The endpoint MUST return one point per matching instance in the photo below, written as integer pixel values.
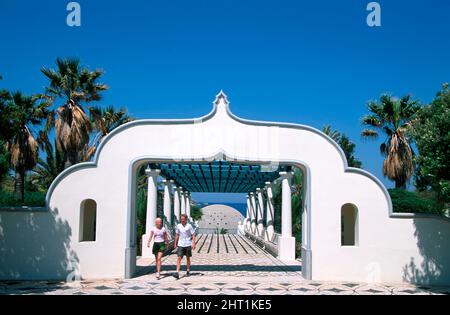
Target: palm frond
(376, 109)
(333, 134)
(384, 149)
(369, 133)
(371, 120)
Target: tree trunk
(400, 185)
(67, 164)
(19, 185)
(72, 159)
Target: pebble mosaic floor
(222, 264)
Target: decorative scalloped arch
(109, 179)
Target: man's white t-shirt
(185, 234)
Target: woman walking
(161, 243)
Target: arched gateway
(349, 229)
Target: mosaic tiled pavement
(222, 264)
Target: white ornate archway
(388, 244)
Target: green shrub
(141, 205)
(196, 213)
(413, 202)
(32, 199)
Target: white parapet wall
(37, 244)
(34, 245)
(413, 250)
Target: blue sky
(308, 62)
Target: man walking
(184, 244)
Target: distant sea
(241, 207)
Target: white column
(270, 213)
(167, 202)
(183, 201)
(253, 213)
(248, 214)
(176, 204)
(172, 201)
(286, 243)
(260, 217)
(188, 205)
(151, 209)
(151, 198)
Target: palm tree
(75, 85)
(346, 145)
(47, 170)
(5, 115)
(349, 150)
(25, 111)
(5, 132)
(333, 134)
(4, 97)
(104, 120)
(394, 118)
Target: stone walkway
(222, 264)
(224, 256)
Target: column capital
(152, 172)
(287, 175)
(171, 181)
(251, 194)
(258, 190)
(269, 189)
(166, 182)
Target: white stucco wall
(386, 245)
(33, 245)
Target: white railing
(269, 246)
